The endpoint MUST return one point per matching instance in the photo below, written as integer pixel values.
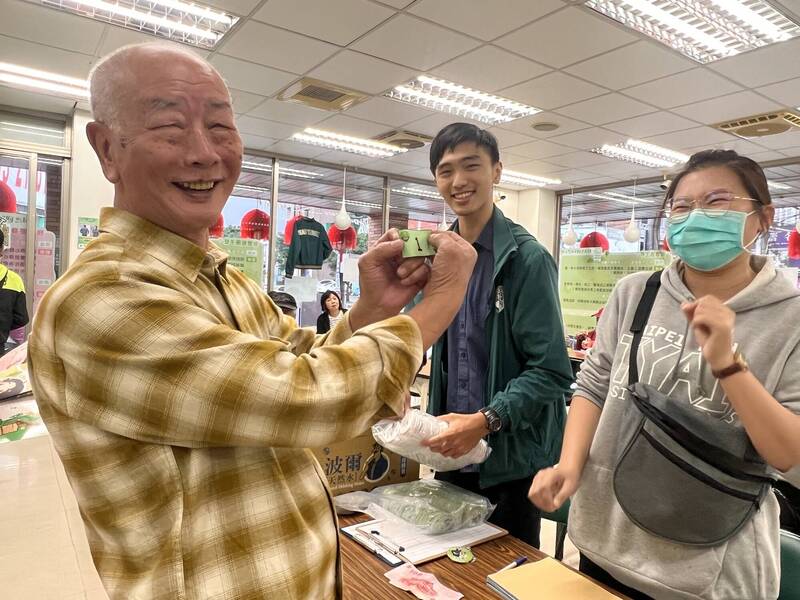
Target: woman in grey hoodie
(739, 385)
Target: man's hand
(452, 266)
(712, 323)
(552, 487)
(388, 282)
(462, 434)
(445, 291)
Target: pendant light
(343, 220)
(570, 237)
(443, 226)
(632, 232)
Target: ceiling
(601, 82)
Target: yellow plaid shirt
(182, 403)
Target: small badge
(461, 554)
(500, 299)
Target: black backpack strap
(640, 321)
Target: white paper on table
(304, 289)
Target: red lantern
(665, 245)
(343, 239)
(8, 199)
(794, 244)
(255, 225)
(287, 232)
(218, 229)
(595, 240)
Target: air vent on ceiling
(322, 95)
(761, 125)
(405, 139)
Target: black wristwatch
(493, 421)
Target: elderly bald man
(179, 397)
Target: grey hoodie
(767, 332)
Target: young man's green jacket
(529, 370)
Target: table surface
(363, 571)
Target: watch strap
(738, 366)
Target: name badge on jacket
(499, 299)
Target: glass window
(417, 206)
(309, 200)
(246, 223)
(22, 128)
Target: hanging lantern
(595, 240)
(289, 229)
(343, 239)
(794, 243)
(570, 237)
(343, 220)
(665, 245)
(255, 225)
(218, 229)
(632, 233)
(8, 199)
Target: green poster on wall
(588, 276)
(245, 255)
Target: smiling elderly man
(179, 398)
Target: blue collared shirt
(467, 346)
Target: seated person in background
(285, 302)
(332, 311)
(182, 402)
(13, 310)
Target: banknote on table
(423, 585)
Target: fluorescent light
(643, 153)
(621, 198)
(658, 151)
(524, 179)
(456, 99)
(33, 79)
(264, 168)
(346, 143)
(704, 31)
(778, 186)
(252, 188)
(415, 192)
(171, 19)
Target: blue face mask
(708, 243)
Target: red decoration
(218, 229)
(255, 225)
(665, 245)
(794, 244)
(287, 232)
(343, 239)
(595, 240)
(8, 199)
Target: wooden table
(363, 571)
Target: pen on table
(514, 564)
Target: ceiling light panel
(184, 22)
(407, 191)
(517, 178)
(265, 168)
(447, 97)
(642, 153)
(346, 143)
(42, 81)
(703, 30)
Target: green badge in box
(416, 243)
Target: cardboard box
(361, 464)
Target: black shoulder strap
(640, 321)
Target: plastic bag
(405, 437)
(430, 505)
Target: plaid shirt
(182, 403)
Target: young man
(501, 370)
(13, 310)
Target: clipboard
(395, 543)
